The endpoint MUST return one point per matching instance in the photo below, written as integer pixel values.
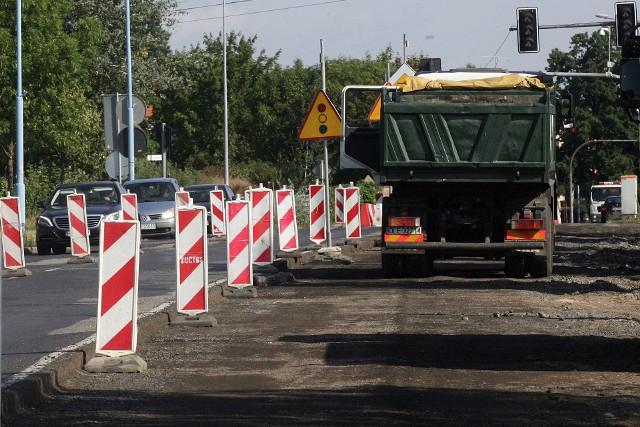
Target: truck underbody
(491, 220)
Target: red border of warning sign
(313, 108)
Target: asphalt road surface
(55, 308)
(339, 344)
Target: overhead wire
(262, 11)
(497, 50)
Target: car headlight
(44, 221)
(168, 214)
(112, 216)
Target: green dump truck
(469, 157)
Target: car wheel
(59, 250)
(43, 249)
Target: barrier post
(78, 229)
(239, 249)
(12, 241)
(192, 299)
(287, 224)
(182, 198)
(261, 200)
(339, 205)
(216, 198)
(117, 328)
(317, 226)
(129, 203)
(352, 212)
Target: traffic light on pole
(625, 21)
(528, 31)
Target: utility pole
(327, 213)
(20, 189)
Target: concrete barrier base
(81, 260)
(202, 320)
(130, 363)
(246, 292)
(15, 272)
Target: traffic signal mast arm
(608, 74)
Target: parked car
(156, 205)
(200, 195)
(611, 208)
(102, 200)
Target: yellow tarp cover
(511, 81)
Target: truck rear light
(404, 221)
(527, 214)
(527, 224)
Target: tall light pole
(130, 126)
(327, 214)
(226, 106)
(19, 117)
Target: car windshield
(199, 196)
(598, 194)
(99, 194)
(153, 191)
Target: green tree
(598, 114)
(60, 124)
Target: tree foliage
(598, 115)
(74, 53)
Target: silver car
(156, 205)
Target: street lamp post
(571, 168)
(20, 188)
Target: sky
(460, 32)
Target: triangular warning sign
(322, 120)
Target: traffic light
(528, 32)
(116, 131)
(166, 136)
(625, 21)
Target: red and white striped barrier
(216, 198)
(78, 228)
(118, 288)
(339, 205)
(129, 203)
(12, 243)
(192, 260)
(239, 256)
(366, 214)
(287, 224)
(317, 228)
(352, 210)
(262, 225)
(182, 198)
